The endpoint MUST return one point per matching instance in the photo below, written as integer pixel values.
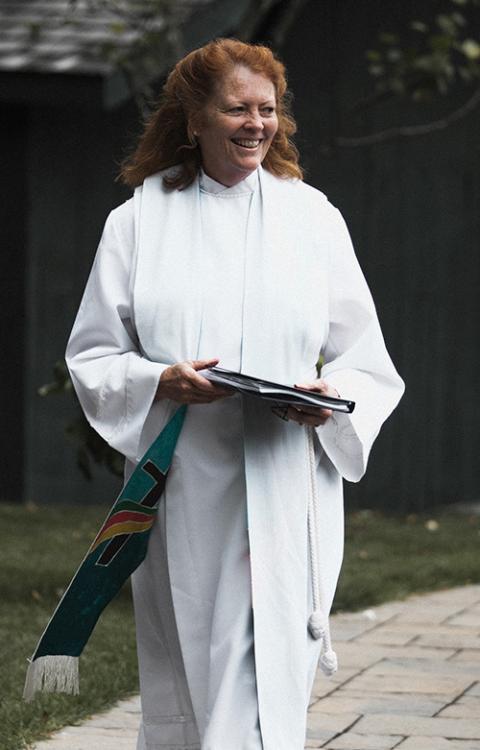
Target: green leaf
(471, 49)
(388, 38)
(376, 70)
(447, 24)
(419, 26)
(394, 54)
(118, 27)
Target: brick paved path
(409, 678)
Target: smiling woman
(224, 254)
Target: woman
(225, 255)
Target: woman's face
(238, 126)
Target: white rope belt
(318, 624)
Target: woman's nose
(254, 121)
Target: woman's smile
(244, 143)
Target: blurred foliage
(432, 56)
(90, 447)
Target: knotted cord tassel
(328, 662)
(316, 625)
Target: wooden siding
(13, 207)
(412, 207)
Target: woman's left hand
(311, 415)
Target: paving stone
(443, 637)
(467, 595)
(437, 743)
(426, 666)
(93, 733)
(351, 741)
(474, 690)
(326, 726)
(475, 611)
(347, 630)
(371, 703)
(116, 718)
(389, 609)
(361, 655)
(322, 687)
(420, 726)
(390, 635)
(411, 682)
(377, 615)
(468, 707)
(466, 619)
(132, 704)
(434, 614)
(61, 742)
(466, 654)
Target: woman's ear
(192, 133)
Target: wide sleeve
(115, 384)
(356, 361)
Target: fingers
(310, 418)
(201, 364)
(182, 383)
(201, 384)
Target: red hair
(167, 139)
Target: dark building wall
(412, 207)
(72, 162)
(13, 209)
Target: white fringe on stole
(52, 674)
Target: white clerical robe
(263, 276)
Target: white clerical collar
(246, 186)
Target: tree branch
(410, 131)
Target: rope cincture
(318, 623)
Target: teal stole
(117, 550)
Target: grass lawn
(385, 558)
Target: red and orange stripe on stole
(123, 522)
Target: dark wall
(13, 209)
(412, 207)
(72, 162)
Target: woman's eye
(237, 109)
(268, 110)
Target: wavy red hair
(167, 139)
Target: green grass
(389, 558)
(40, 550)
(385, 558)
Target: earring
(192, 137)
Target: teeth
(246, 142)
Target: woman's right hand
(182, 383)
